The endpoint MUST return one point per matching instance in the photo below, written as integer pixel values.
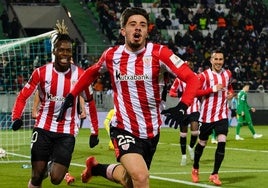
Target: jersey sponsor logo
(54, 98)
(126, 77)
(124, 141)
(176, 60)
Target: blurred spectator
(172, 46)
(165, 13)
(260, 89)
(20, 82)
(182, 14)
(164, 3)
(124, 4)
(219, 11)
(264, 32)
(249, 25)
(211, 4)
(98, 88)
(174, 22)
(137, 3)
(190, 16)
(166, 23)
(221, 22)
(192, 27)
(178, 38)
(107, 21)
(235, 18)
(84, 62)
(15, 28)
(5, 22)
(76, 50)
(159, 22)
(203, 22)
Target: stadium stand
(88, 23)
(245, 51)
(2, 36)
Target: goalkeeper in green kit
(243, 113)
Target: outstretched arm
(88, 77)
(82, 84)
(175, 115)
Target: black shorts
(220, 127)
(124, 142)
(189, 118)
(57, 147)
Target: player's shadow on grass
(95, 185)
(206, 161)
(236, 179)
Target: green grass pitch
(245, 163)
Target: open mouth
(137, 36)
(64, 60)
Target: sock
(238, 128)
(100, 170)
(219, 156)
(251, 128)
(197, 155)
(183, 145)
(193, 140)
(213, 135)
(104, 170)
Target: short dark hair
(130, 12)
(218, 50)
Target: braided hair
(61, 33)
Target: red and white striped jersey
(179, 86)
(135, 79)
(214, 106)
(53, 86)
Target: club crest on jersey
(73, 82)
(125, 146)
(147, 61)
(176, 60)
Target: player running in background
(36, 101)
(243, 112)
(217, 89)
(135, 70)
(192, 117)
(106, 123)
(82, 115)
(233, 106)
(213, 137)
(51, 140)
